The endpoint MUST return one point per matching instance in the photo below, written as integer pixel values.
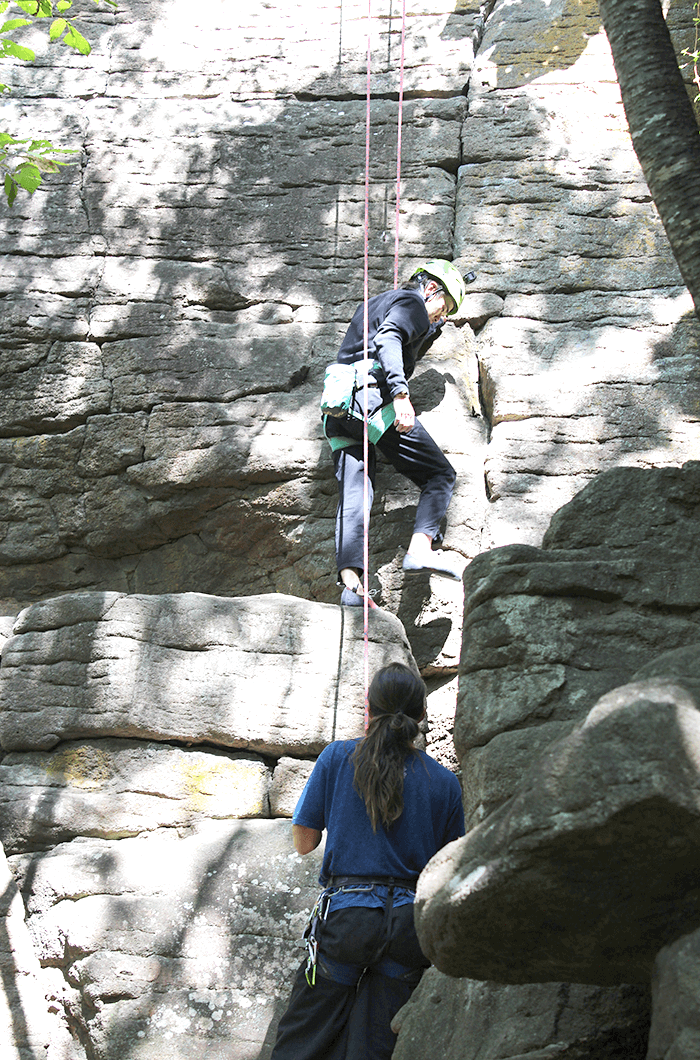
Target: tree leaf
(14, 23)
(27, 175)
(76, 40)
(17, 51)
(10, 189)
(56, 29)
(63, 5)
(30, 7)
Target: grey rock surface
(675, 1025)
(288, 782)
(591, 361)
(548, 631)
(173, 301)
(163, 913)
(592, 866)
(471, 1020)
(611, 598)
(266, 673)
(168, 943)
(22, 1001)
(116, 788)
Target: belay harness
(351, 974)
(340, 387)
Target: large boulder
(548, 631)
(268, 673)
(675, 1027)
(593, 865)
(164, 906)
(610, 598)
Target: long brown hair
(396, 705)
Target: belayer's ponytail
(396, 705)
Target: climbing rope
(365, 366)
(365, 433)
(398, 145)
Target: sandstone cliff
(170, 305)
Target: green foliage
(23, 161)
(23, 165)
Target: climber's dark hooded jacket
(399, 331)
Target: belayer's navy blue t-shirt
(432, 816)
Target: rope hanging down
(365, 434)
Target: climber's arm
(305, 839)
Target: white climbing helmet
(448, 276)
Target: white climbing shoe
(437, 564)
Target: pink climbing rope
(365, 434)
(398, 144)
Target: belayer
(402, 325)
(387, 808)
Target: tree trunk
(662, 124)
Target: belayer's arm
(305, 839)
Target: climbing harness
(341, 385)
(350, 974)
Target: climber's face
(437, 302)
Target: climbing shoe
(348, 598)
(436, 564)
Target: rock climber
(387, 808)
(402, 325)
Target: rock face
(172, 301)
(675, 1029)
(167, 944)
(164, 898)
(563, 796)
(25, 1024)
(589, 363)
(548, 631)
(551, 1021)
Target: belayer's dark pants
(350, 1019)
(415, 455)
